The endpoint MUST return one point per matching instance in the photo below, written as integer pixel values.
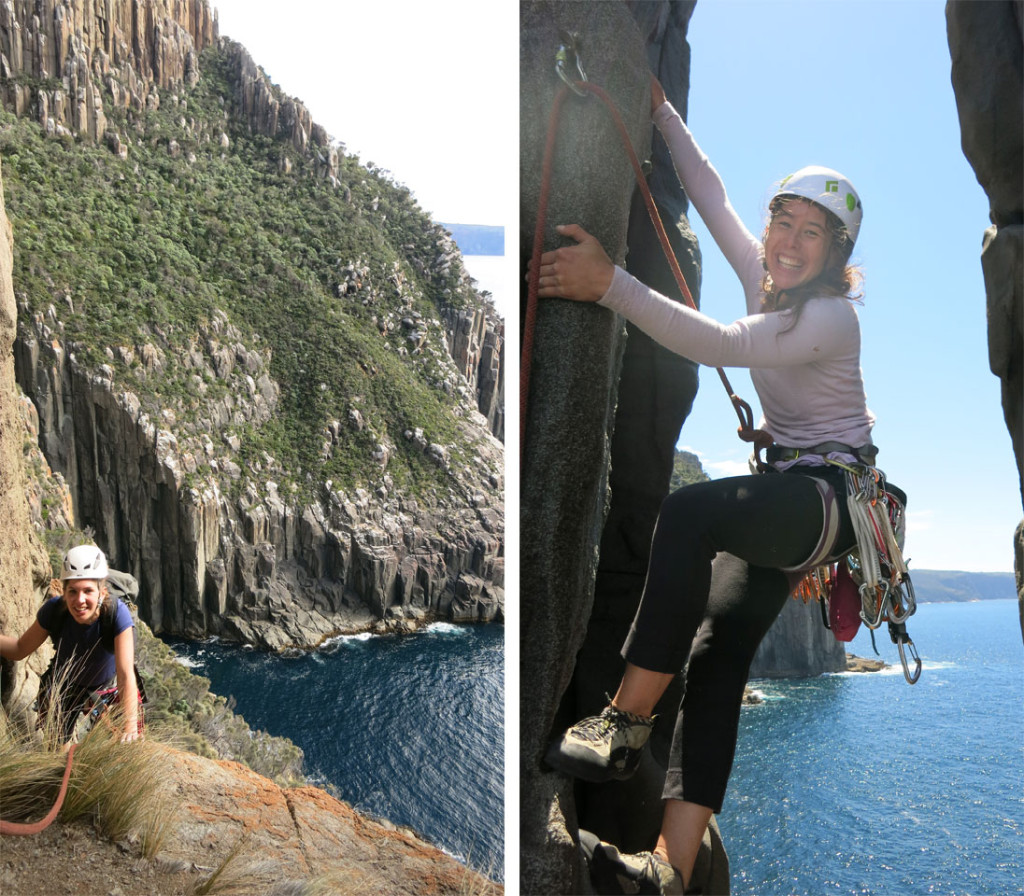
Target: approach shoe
(613, 872)
(602, 748)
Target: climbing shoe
(614, 872)
(602, 748)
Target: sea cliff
(252, 496)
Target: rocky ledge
(285, 840)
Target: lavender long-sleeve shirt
(807, 375)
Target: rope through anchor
(568, 57)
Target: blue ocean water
(862, 784)
(408, 728)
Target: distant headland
(936, 586)
(477, 239)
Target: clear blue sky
(430, 92)
(864, 87)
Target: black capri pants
(715, 583)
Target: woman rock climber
(726, 554)
(94, 647)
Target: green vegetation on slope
(686, 470)
(949, 585)
(149, 249)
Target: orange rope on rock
(25, 830)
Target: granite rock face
(244, 833)
(295, 835)
(573, 374)
(986, 46)
(590, 422)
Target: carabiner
(567, 62)
(898, 633)
(873, 602)
(904, 598)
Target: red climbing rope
(746, 431)
(25, 830)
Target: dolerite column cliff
(135, 47)
(254, 567)
(476, 342)
(986, 45)
(585, 412)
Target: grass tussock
(479, 883)
(236, 874)
(345, 881)
(118, 786)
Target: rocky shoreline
(856, 663)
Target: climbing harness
(24, 830)
(876, 566)
(567, 58)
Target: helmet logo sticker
(831, 186)
(851, 201)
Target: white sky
(423, 89)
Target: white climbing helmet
(84, 562)
(830, 190)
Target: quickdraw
(567, 62)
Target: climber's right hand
(582, 272)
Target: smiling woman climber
(94, 659)
(727, 553)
